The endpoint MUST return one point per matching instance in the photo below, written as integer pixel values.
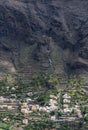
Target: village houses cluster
(29, 106)
(8, 103)
(67, 108)
(53, 105)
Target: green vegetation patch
(4, 126)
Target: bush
(40, 125)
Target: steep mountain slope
(42, 36)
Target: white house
(1, 99)
(24, 111)
(66, 101)
(53, 118)
(53, 96)
(43, 109)
(66, 96)
(67, 110)
(25, 121)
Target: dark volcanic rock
(41, 36)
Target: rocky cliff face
(42, 36)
